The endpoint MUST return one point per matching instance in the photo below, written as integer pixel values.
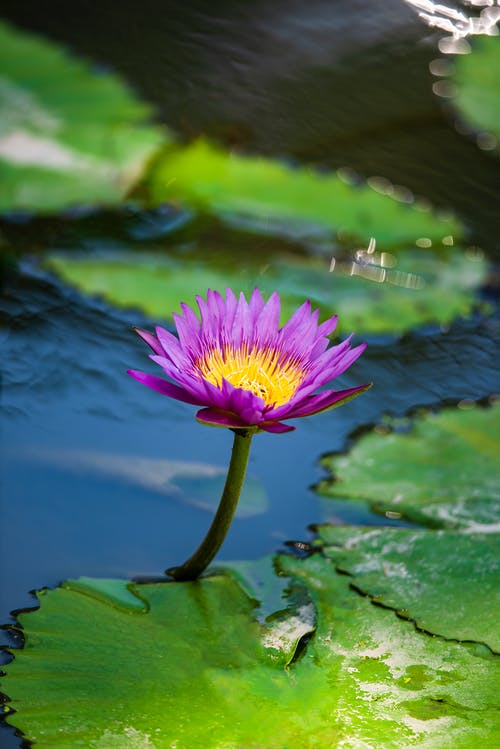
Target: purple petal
(185, 377)
(318, 347)
(207, 327)
(150, 339)
(215, 396)
(314, 404)
(325, 369)
(300, 332)
(164, 387)
(330, 365)
(221, 305)
(248, 406)
(327, 327)
(217, 309)
(213, 306)
(230, 311)
(322, 341)
(188, 327)
(300, 314)
(269, 318)
(300, 318)
(256, 306)
(172, 348)
(276, 427)
(219, 419)
(242, 325)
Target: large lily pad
(110, 664)
(476, 82)
(157, 285)
(277, 198)
(443, 472)
(394, 686)
(68, 135)
(447, 582)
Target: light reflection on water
(459, 20)
(378, 267)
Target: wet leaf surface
(448, 583)
(196, 669)
(442, 470)
(68, 134)
(423, 288)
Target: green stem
(194, 566)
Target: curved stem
(217, 532)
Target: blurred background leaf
(69, 133)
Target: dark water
(324, 81)
(328, 82)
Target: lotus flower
(243, 369)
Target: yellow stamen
(263, 371)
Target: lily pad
(68, 135)
(425, 288)
(274, 198)
(393, 686)
(476, 81)
(447, 582)
(443, 472)
(193, 671)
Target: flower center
(263, 371)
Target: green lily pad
(279, 199)
(394, 686)
(447, 582)
(287, 613)
(67, 134)
(195, 671)
(444, 472)
(476, 81)
(157, 285)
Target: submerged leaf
(157, 284)
(67, 134)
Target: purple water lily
(248, 374)
(243, 369)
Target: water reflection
(378, 267)
(459, 22)
(197, 484)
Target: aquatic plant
(248, 373)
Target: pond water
(88, 456)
